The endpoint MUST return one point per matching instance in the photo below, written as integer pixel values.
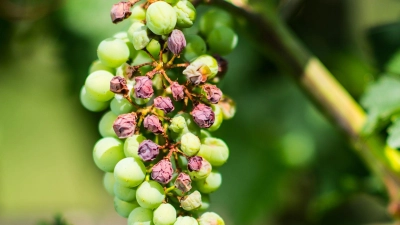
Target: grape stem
(277, 42)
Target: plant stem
(276, 41)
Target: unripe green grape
(209, 61)
(91, 104)
(211, 183)
(141, 216)
(124, 36)
(165, 214)
(121, 106)
(161, 18)
(203, 173)
(204, 134)
(140, 58)
(214, 18)
(106, 125)
(222, 40)
(131, 146)
(188, 126)
(195, 46)
(108, 183)
(171, 2)
(107, 153)
(210, 218)
(113, 52)
(138, 13)
(124, 208)
(219, 118)
(150, 194)
(141, 101)
(124, 193)
(190, 144)
(185, 13)
(178, 124)
(205, 202)
(98, 65)
(129, 172)
(137, 34)
(214, 150)
(97, 85)
(186, 220)
(154, 48)
(192, 201)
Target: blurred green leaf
(382, 100)
(393, 139)
(393, 66)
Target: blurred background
(287, 166)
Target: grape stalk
(158, 82)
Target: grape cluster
(159, 158)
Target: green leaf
(393, 65)
(382, 101)
(393, 140)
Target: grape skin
(165, 214)
(107, 153)
(150, 194)
(106, 125)
(124, 208)
(129, 172)
(90, 103)
(97, 84)
(113, 52)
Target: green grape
(97, 85)
(121, 106)
(204, 134)
(141, 216)
(211, 183)
(195, 46)
(106, 125)
(154, 48)
(138, 13)
(210, 218)
(131, 146)
(137, 34)
(161, 18)
(124, 193)
(113, 52)
(209, 61)
(213, 19)
(124, 36)
(124, 208)
(219, 117)
(150, 194)
(205, 202)
(98, 65)
(186, 220)
(129, 172)
(181, 127)
(108, 182)
(185, 13)
(222, 40)
(91, 104)
(190, 144)
(214, 150)
(203, 173)
(165, 214)
(107, 152)
(140, 58)
(171, 2)
(192, 201)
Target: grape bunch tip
(160, 87)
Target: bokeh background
(287, 166)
